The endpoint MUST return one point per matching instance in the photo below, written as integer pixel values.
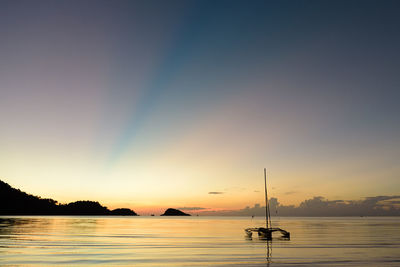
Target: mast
(267, 212)
(266, 197)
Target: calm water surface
(197, 241)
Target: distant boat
(266, 232)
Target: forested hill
(15, 202)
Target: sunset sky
(154, 104)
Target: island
(123, 212)
(15, 202)
(174, 212)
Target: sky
(155, 104)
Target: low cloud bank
(319, 206)
(191, 208)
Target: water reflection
(196, 241)
(11, 227)
(269, 251)
(6, 225)
(268, 246)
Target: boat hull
(267, 232)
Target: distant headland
(15, 202)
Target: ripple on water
(191, 241)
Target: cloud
(394, 201)
(291, 192)
(319, 206)
(256, 191)
(192, 208)
(215, 193)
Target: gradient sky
(151, 104)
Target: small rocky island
(174, 212)
(123, 212)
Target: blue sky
(203, 93)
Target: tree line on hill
(15, 202)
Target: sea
(197, 241)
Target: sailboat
(266, 232)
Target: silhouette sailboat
(268, 230)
